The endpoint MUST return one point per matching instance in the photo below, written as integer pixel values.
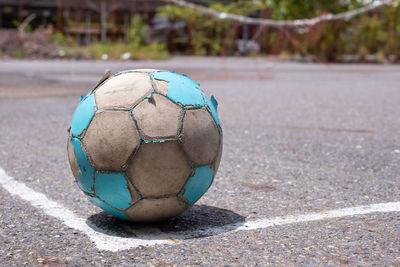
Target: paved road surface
(298, 139)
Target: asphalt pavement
(299, 138)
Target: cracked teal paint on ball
(181, 89)
(198, 184)
(111, 210)
(86, 171)
(212, 105)
(112, 188)
(83, 115)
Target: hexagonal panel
(158, 118)
(114, 190)
(123, 90)
(200, 136)
(219, 155)
(86, 171)
(161, 86)
(72, 159)
(111, 139)
(197, 184)
(155, 209)
(159, 169)
(83, 115)
(181, 89)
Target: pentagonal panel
(200, 136)
(159, 169)
(212, 105)
(161, 86)
(110, 140)
(123, 90)
(158, 117)
(72, 159)
(181, 89)
(82, 116)
(197, 184)
(155, 209)
(111, 210)
(113, 189)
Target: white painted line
(153, 236)
(53, 209)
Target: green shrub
(376, 32)
(136, 46)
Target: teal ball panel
(83, 115)
(107, 208)
(212, 105)
(112, 188)
(197, 184)
(86, 171)
(181, 89)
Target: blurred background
(155, 29)
(303, 132)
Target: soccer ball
(144, 145)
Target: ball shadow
(198, 221)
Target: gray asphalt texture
(298, 138)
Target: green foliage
(96, 50)
(18, 53)
(27, 29)
(207, 35)
(64, 41)
(137, 45)
(375, 33)
(301, 9)
(117, 49)
(138, 31)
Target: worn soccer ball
(145, 145)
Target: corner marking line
(151, 236)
